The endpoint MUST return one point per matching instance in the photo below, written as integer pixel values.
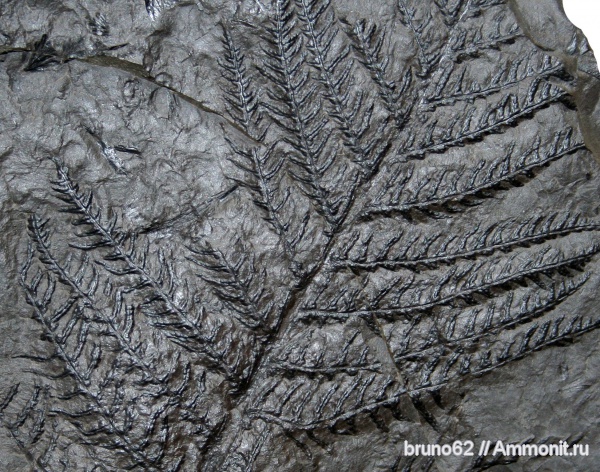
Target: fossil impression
(400, 210)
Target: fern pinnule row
(296, 404)
(447, 331)
(263, 166)
(417, 251)
(121, 258)
(351, 112)
(461, 283)
(234, 283)
(68, 330)
(407, 192)
(368, 42)
(118, 329)
(452, 87)
(423, 34)
(29, 424)
(294, 107)
(312, 355)
(473, 124)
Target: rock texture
(292, 234)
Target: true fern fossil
(372, 259)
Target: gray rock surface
(291, 235)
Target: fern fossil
(376, 269)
